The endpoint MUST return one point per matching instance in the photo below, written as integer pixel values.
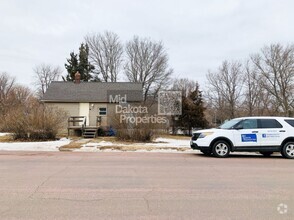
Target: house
(91, 104)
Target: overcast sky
(198, 35)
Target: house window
(102, 111)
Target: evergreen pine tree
(79, 62)
(71, 67)
(85, 67)
(193, 111)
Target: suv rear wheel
(221, 149)
(288, 150)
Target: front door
(246, 134)
(84, 111)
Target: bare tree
(7, 84)
(105, 54)
(257, 100)
(21, 94)
(147, 62)
(185, 85)
(225, 88)
(216, 106)
(253, 90)
(275, 64)
(44, 75)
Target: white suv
(263, 134)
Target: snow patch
(34, 146)
(4, 134)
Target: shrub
(145, 131)
(34, 121)
(101, 132)
(136, 134)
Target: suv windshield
(229, 124)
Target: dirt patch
(73, 145)
(117, 145)
(110, 139)
(115, 141)
(138, 148)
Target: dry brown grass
(129, 145)
(110, 139)
(6, 138)
(114, 140)
(71, 146)
(75, 144)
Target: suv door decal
(249, 137)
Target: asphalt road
(65, 185)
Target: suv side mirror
(239, 127)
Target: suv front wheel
(288, 150)
(221, 149)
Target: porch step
(90, 133)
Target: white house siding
(71, 108)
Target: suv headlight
(204, 134)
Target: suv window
(270, 123)
(248, 124)
(290, 122)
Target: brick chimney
(77, 78)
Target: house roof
(60, 91)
